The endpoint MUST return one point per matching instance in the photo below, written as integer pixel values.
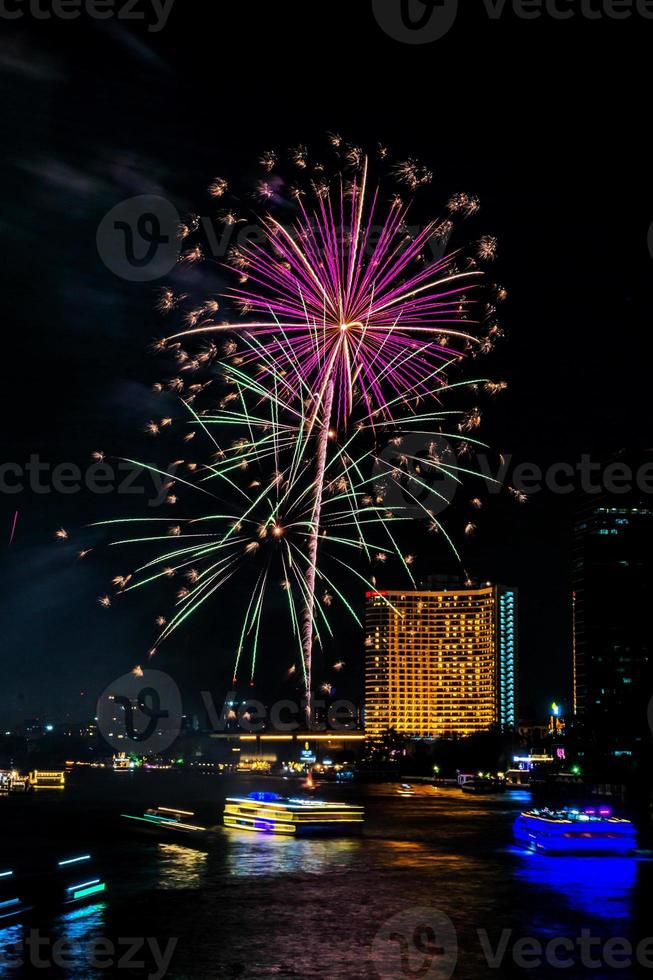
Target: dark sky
(547, 121)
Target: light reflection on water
(11, 938)
(600, 887)
(79, 928)
(420, 856)
(251, 854)
(180, 867)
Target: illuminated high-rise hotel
(441, 662)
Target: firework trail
(265, 533)
(12, 533)
(353, 316)
(263, 537)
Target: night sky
(546, 121)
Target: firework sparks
(354, 324)
(346, 330)
(12, 532)
(363, 316)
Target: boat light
(77, 860)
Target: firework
(351, 318)
(346, 333)
(262, 539)
(218, 187)
(265, 537)
(12, 532)
(487, 248)
(361, 317)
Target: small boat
(568, 831)
(405, 789)
(484, 786)
(11, 905)
(47, 885)
(77, 880)
(11, 781)
(40, 779)
(167, 821)
(269, 813)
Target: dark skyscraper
(613, 623)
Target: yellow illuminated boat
(39, 779)
(268, 813)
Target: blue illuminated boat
(11, 904)
(268, 813)
(567, 831)
(71, 881)
(77, 880)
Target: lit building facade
(613, 637)
(441, 662)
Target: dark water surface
(253, 906)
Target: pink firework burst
(343, 309)
(345, 300)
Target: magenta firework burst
(345, 298)
(349, 311)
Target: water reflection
(259, 854)
(180, 867)
(78, 929)
(420, 856)
(601, 887)
(11, 940)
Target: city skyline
(91, 374)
